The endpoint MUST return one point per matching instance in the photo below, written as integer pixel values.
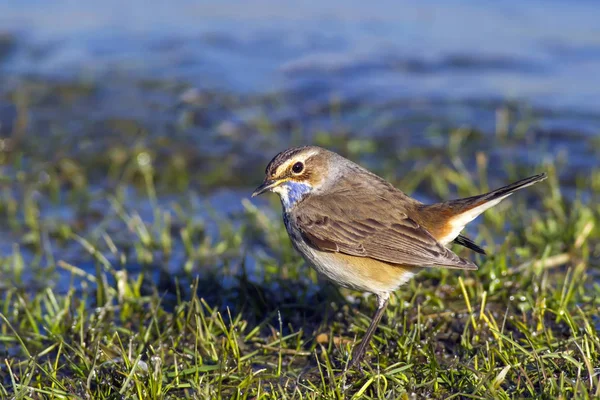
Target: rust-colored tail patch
(446, 220)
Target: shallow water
(542, 52)
(218, 89)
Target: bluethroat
(362, 233)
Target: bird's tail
(458, 213)
(496, 195)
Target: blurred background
(121, 123)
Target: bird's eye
(298, 167)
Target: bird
(362, 233)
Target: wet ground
(98, 100)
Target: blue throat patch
(295, 192)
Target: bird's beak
(268, 184)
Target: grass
(123, 294)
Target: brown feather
(368, 218)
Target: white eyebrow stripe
(300, 157)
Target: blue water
(544, 52)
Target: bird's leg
(359, 352)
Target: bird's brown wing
(366, 225)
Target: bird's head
(294, 173)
